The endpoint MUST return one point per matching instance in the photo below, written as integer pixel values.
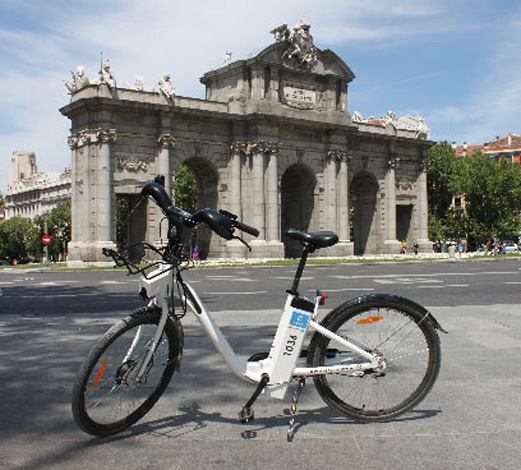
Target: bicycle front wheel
(402, 332)
(107, 395)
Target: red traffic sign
(46, 240)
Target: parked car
(5, 263)
(509, 247)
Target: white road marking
(237, 293)
(395, 276)
(346, 289)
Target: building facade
(506, 148)
(273, 142)
(30, 193)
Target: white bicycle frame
(280, 365)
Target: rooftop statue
(357, 117)
(138, 84)
(107, 76)
(79, 80)
(404, 123)
(166, 87)
(300, 42)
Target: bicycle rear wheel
(106, 397)
(402, 332)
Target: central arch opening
(364, 190)
(297, 204)
(195, 188)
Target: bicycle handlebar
(222, 222)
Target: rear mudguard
(380, 299)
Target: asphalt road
(471, 419)
(256, 288)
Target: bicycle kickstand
(246, 414)
(293, 410)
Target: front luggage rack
(126, 258)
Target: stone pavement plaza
(471, 419)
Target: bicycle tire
(403, 332)
(105, 399)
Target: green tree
(56, 224)
(60, 227)
(185, 197)
(17, 239)
(443, 183)
(185, 189)
(122, 209)
(493, 197)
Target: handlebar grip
(246, 228)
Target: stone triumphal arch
(272, 142)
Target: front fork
(143, 369)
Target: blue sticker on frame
(299, 320)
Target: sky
(453, 62)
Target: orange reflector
(100, 373)
(366, 321)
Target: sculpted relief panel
(133, 163)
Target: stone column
(165, 143)
(338, 200)
(391, 244)
(75, 173)
(275, 248)
(331, 190)
(423, 208)
(234, 248)
(235, 179)
(92, 201)
(104, 192)
(342, 204)
(259, 203)
(272, 196)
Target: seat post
(302, 264)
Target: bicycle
(372, 358)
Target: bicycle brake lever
(242, 241)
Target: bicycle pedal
(246, 415)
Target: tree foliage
(491, 195)
(17, 236)
(442, 186)
(20, 238)
(185, 189)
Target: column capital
(393, 162)
(72, 141)
(165, 141)
(91, 136)
(339, 155)
(104, 136)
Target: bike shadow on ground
(192, 420)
